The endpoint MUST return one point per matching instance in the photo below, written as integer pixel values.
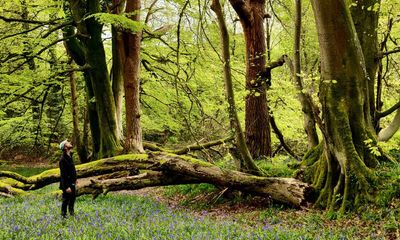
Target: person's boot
(71, 211)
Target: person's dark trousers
(68, 202)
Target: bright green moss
(12, 190)
(133, 157)
(55, 172)
(13, 183)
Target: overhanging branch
(242, 10)
(39, 52)
(187, 149)
(279, 135)
(6, 19)
(387, 53)
(279, 62)
(389, 111)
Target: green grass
(23, 170)
(279, 166)
(134, 217)
(118, 216)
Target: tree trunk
(168, 169)
(117, 67)
(341, 171)
(366, 23)
(388, 132)
(75, 50)
(305, 99)
(365, 14)
(246, 162)
(89, 32)
(258, 133)
(133, 140)
(105, 104)
(82, 151)
(117, 78)
(85, 136)
(93, 117)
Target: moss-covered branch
(7, 191)
(193, 147)
(103, 166)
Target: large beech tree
(340, 167)
(130, 54)
(88, 47)
(258, 133)
(125, 73)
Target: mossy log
(8, 191)
(98, 186)
(162, 169)
(103, 166)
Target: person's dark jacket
(68, 171)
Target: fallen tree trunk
(9, 191)
(162, 169)
(146, 179)
(99, 167)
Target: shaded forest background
(181, 80)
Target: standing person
(68, 179)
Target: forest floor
(251, 215)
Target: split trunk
(340, 167)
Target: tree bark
(75, 50)
(246, 163)
(305, 99)
(388, 132)
(365, 14)
(258, 133)
(117, 71)
(133, 139)
(341, 172)
(89, 32)
(117, 78)
(168, 169)
(82, 151)
(93, 117)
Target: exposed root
(343, 181)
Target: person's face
(68, 145)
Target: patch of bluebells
(122, 217)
